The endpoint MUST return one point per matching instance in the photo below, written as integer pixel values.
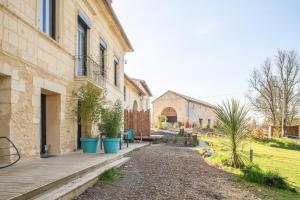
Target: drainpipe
(189, 111)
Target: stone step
(79, 185)
(67, 179)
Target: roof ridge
(192, 99)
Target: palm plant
(234, 123)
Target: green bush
(111, 120)
(193, 143)
(110, 175)
(180, 124)
(181, 131)
(160, 120)
(91, 101)
(269, 178)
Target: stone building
(48, 49)
(136, 94)
(180, 108)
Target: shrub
(181, 131)
(180, 124)
(111, 120)
(91, 101)
(110, 175)
(277, 132)
(194, 125)
(160, 120)
(175, 125)
(193, 142)
(258, 133)
(269, 178)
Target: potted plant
(111, 123)
(90, 105)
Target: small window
(124, 93)
(47, 12)
(116, 63)
(102, 60)
(200, 122)
(208, 123)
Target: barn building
(181, 108)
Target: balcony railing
(87, 67)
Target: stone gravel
(164, 171)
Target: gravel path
(168, 172)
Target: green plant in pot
(111, 123)
(90, 105)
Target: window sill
(53, 41)
(48, 37)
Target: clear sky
(205, 49)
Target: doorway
(43, 141)
(170, 114)
(50, 123)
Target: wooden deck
(28, 179)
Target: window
(116, 63)
(124, 93)
(200, 122)
(47, 17)
(208, 123)
(102, 60)
(81, 48)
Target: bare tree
(263, 91)
(288, 72)
(275, 93)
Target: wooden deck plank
(28, 176)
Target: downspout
(188, 111)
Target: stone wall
(32, 63)
(199, 111)
(169, 99)
(132, 94)
(185, 110)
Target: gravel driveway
(168, 172)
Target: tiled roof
(189, 99)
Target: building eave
(189, 99)
(117, 22)
(145, 86)
(141, 92)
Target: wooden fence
(139, 121)
(289, 130)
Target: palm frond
(234, 123)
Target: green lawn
(281, 155)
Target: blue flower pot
(111, 145)
(89, 145)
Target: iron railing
(9, 153)
(86, 66)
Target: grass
(110, 175)
(253, 173)
(279, 155)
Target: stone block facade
(136, 95)
(182, 108)
(33, 64)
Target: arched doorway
(135, 106)
(171, 114)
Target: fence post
(251, 154)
